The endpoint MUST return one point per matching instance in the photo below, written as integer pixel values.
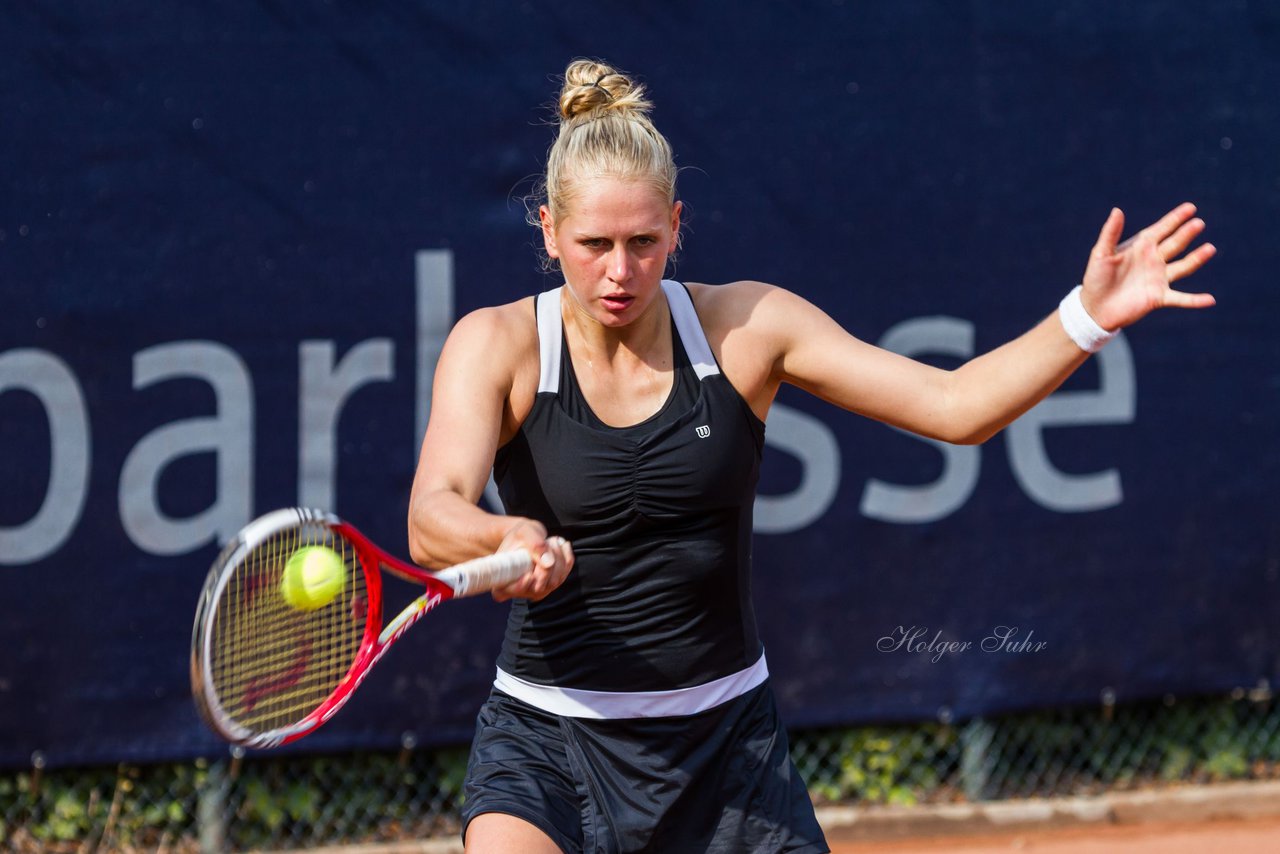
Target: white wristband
(1082, 328)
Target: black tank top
(659, 514)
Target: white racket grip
(485, 573)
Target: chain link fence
(244, 803)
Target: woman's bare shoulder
(513, 318)
(498, 330)
(736, 305)
(497, 340)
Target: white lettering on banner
(1115, 402)
(322, 393)
(889, 502)
(813, 443)
(229, 435)
(324, 387)
(54, 385)
(433, 269)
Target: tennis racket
(264, 673)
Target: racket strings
(272, 664)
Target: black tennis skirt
(718, 781)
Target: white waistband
(605, 705)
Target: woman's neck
(645, 339)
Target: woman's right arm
(480, 370)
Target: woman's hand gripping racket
(274, 657)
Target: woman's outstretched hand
(1126, 281)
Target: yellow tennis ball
(313, 577)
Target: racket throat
(406, 618)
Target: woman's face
(612, 243)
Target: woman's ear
(548, 231)
(676, 209)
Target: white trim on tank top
(549, 341)
(614, 705)
(691, 334)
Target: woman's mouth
(617, 302)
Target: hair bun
(592, 87)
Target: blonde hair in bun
(604, 131)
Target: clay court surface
(1237, 836)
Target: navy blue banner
(233, 237)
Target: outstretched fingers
(1181, 299)
(1165, 227)
(1177, 243)
(1126, 280)
(1194, 260)
(1171, 222)
(1109, 237)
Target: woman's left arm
(1123, 282)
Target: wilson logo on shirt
(703, 432)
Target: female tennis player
(623, 419)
